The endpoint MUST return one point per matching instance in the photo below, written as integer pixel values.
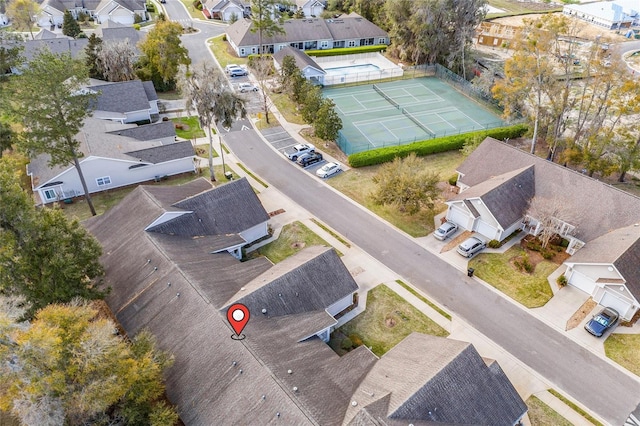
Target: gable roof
(494, 158)
(57, 45)
(130, 5)
(301, 58)
(159, 130)
(228, 209)
(433, 379)
(160, 154)
(110, 31)
(123, 97)
(507, 196)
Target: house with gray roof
(131, 101)
(226, 10)
(310, 8)
(173, 281)
(113, 155)
(497, 183)
(121, 11)
(309, 68)
(307, 34)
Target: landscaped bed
(502, 271)
(387, 320)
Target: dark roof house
(310, 69)
(127, 101)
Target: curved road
(602, 387)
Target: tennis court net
(384, 95)
(418, 123)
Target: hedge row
(431, 146)
(346, 50)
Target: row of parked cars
(305, 155)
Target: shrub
(346, 344)
(523, 264)
(548, 254)
(82, 35)
(431, 146)
(346, 50)
(179, 126)
(151, 7)
(534, 245)
(453, 180)
(224, 37)
(254, 57)
(136, 27)
(356, 340)
(137, 19)
(494, 244)
(564, 243)
(561, 280)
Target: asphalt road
(572, 369)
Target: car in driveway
(247, 87)
(308, 159)
(602, 321)
(296, 151)
(237, 72)
(471, 246)
(328, 170)
(445, 230)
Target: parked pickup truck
(297, 150)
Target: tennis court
(405, 111)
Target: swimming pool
(352, 69)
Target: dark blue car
(601, 322)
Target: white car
(446, 230)
(230, 67)
(247, 87)
(297, 150)
(328, 170)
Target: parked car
(602, 321)
(237, 72)
(328, 170)
(231, 66)
(247, 87)
(297, 150)
(446, 230)
(308, 159)
(471, 246)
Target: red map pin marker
(238, 317)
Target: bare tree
(116, 60)
(554, 217)
(263, 71)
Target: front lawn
(625, 350)
(224, 53)
(497, 269)
(540, 414)
(358, 185)
(293, 238)
(287, 108)
(387, 320)
(202, 150)
(188, 127)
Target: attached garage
(582, 282)
(459, 216)
(617, 302)
(487, 230)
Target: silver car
(446, 230)
(471, 246)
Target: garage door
(612, 300)
(458, 216)
(485, 229)
(581, 281)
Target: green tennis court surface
(405, 111)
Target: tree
(233, 18)
(49, 100)
(11, 48)
(311, 102)
(69, 367)
(44, 257)
(406, 184)
(553, 215)
(206, 89)
(327, 122)
(298, 14)
(91, 52)
(70, 26)
(116, 61)
(267, 17)
(21, 13)
(263, 70)
(7, 137)
(163, 53)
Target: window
(50, 194)
(242, 52)
(351, 43)
(324, 44)
(253, 50)
(382, 41)
(102, 181)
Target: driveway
(567, 365)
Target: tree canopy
(70, 26)
(68, 366)
(21, 13)
(267, 17)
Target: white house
(497, 183)
(121, 11)
(115, 155)
(309, 68)
(310, 8)
(608, 14)
(225, 10)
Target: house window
(324, 44)
(242, 52)
(382, 41)
(253, 50)
(50, 194)
(351, 43)
(102, 181)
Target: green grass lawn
(625, 350)
(532, 290)
(293, 238)
(224, 53)
(541, 414)
(191, 128)
(195, 13)
(287, 108)
(202, 150)
(387, 320)
(358, 185)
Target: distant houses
(125, 12)
(611, 15)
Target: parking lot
(281, 140)
(254, 99)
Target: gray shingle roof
(55, 45)
(302, 59)
(604, 207)
(122, 97)
(160, 154)
(228, 209)
(345, 28)
(433, 379)
(160, 130)
(507, 196)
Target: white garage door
(485, 229)
(458, 216)
(614, 301)
(583, 282)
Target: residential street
(598, 384)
